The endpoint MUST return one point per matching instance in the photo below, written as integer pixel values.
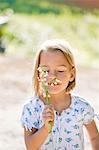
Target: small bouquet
(43, 81)
(42, 78)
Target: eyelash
(56, 71)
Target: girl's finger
(48, 114)
(49, 106)
(47, 119)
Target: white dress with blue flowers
(67, 132)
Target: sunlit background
(24, 25)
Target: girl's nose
(52, 75)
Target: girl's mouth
(55, 82)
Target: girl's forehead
(55, 54)
(53, 57)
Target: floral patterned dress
(67, 132)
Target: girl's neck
(60, 101)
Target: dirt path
(16, 87)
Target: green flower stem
(48, 102)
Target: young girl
(66, 113)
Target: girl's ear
(72, 74)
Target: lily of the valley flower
(43, 75)
(56, 82)
(43, 81)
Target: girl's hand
(48, 116)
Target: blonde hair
(54, 45)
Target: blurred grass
(31, 6)
(35, 21)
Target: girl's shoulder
(33, 103)
(30, 113)
(83, 110)
(79, 101)
(82, 105)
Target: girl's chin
(54, 91)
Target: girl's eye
(60, 71)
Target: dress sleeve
(29, 118)
(88, 113)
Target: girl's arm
(93, 134)
(36, 138)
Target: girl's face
(57, 67)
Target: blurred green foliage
(40, 7)
(34, 21)
(31, 6)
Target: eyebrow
(62, 66)
(57, 66)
